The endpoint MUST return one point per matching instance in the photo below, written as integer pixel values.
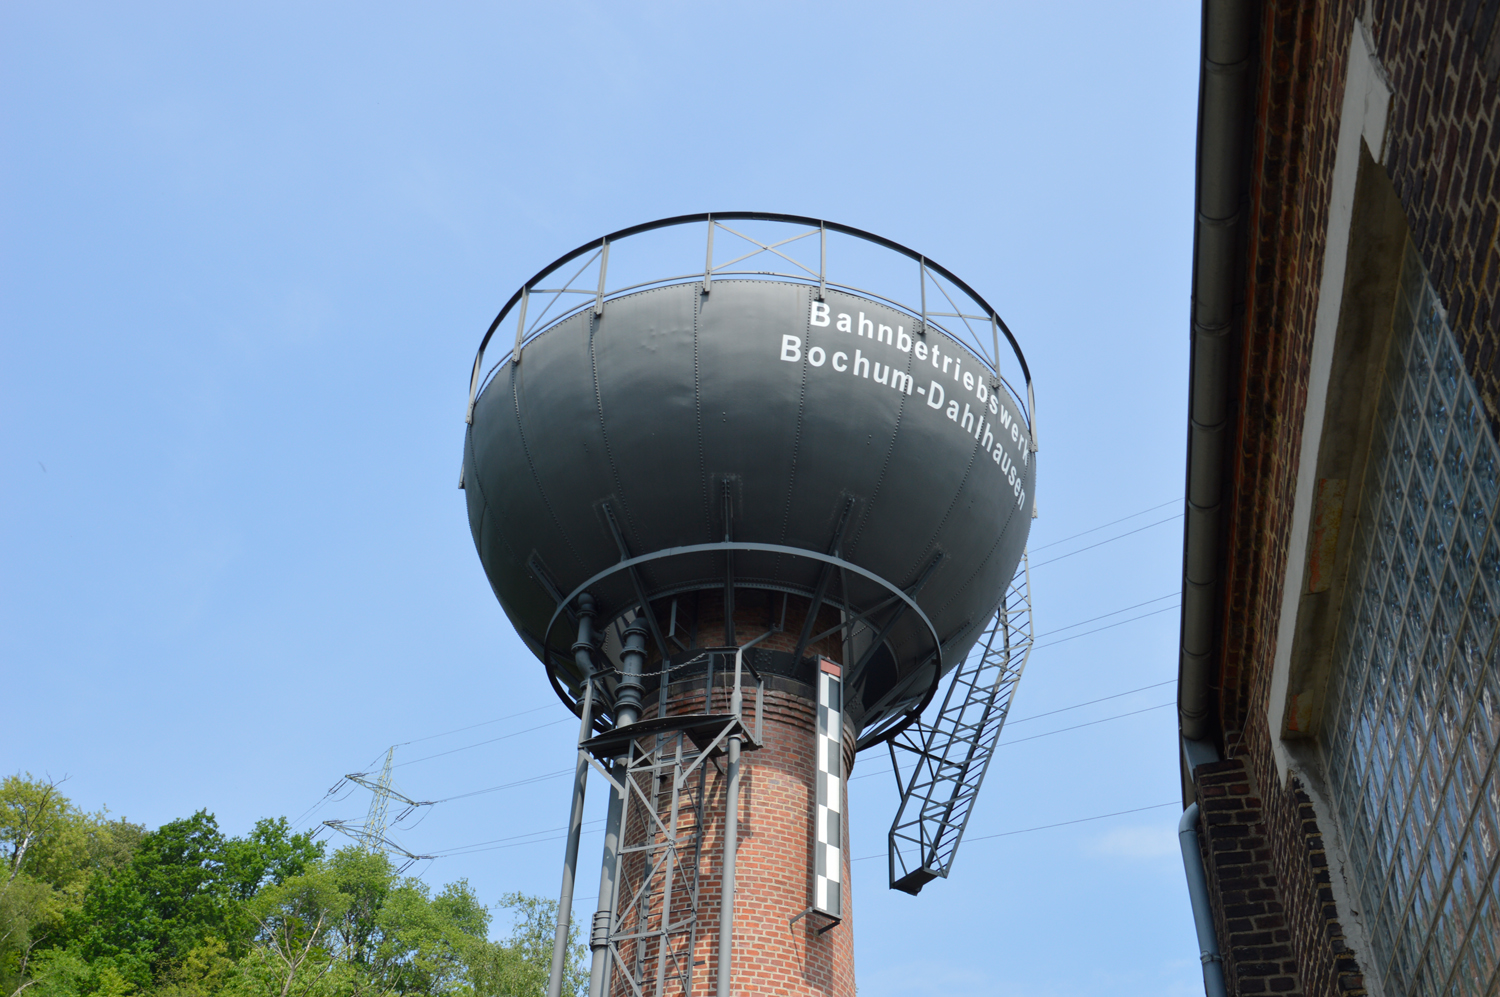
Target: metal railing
(942, 300)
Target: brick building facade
(1340, 691)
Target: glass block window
(1413, 712)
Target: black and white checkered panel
(828, 831)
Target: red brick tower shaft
(777, 947)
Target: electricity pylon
(372, 833)
(379, 801)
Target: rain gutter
(1223, 119)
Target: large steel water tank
(834, 431)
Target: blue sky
(247, 256)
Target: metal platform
(707, 731)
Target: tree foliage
(91, 906)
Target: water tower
(755, 489)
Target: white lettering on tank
(988, 433)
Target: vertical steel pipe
(604, 912)
(583, 650)
(732, 826)
(726, 887)
(632, 663)
(627, 711)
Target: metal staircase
(948, 758)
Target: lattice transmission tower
(371, 834)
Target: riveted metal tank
(775, 437)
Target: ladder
(947, 759)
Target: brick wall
(1251, 921)
(1442, 152)
(755, 612)
(774, 860)
(1263, 848)
(1279, 927)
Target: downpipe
(1203, 913)
(731, 827)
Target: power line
(1091, 702)
(512, 842)
(485, 723)
(508, 785)
(1063, 730)
(1112, 522)
(561, 772)
(1110, 626)
(501, 842)
(1101, 543)
(515, 842)
(326, 797)
(1045, 827)
(550, 775)
(480, 744)
(1064, 709)
(1117, 612)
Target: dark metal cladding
(649, 414)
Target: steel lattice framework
(648, 929)
(950, 756)
(372, 834)
(655, 929)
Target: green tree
(366, 878)
(269, 854)
(296, 919)
(52, 852)
(186, 885)
(171, 898)
(205, 971)
(91, 906)
(520, 966)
